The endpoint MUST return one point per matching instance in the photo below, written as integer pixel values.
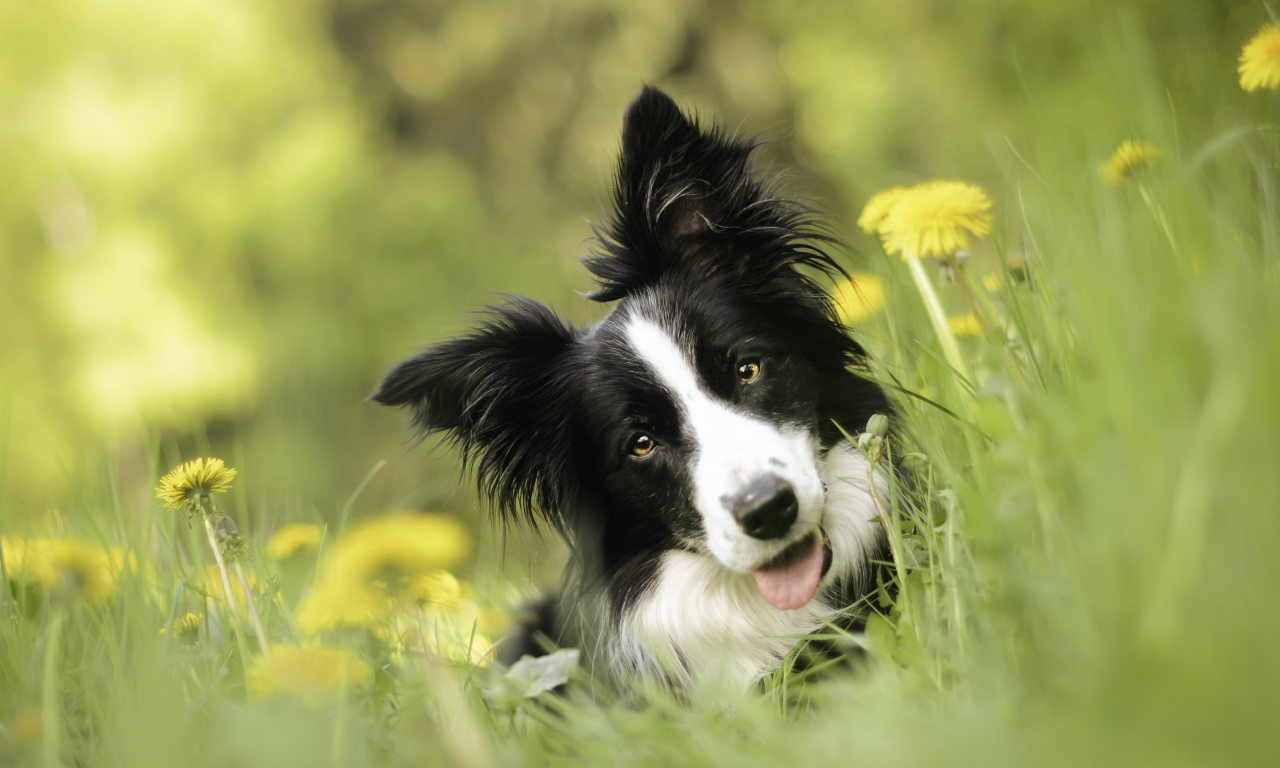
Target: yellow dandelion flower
(964, 325)
(81, 568)
(991, 281)
(936, 219)
(395, 549)
(186, 629)
(1128, 159)
(314, 675)
(492, 621)
(858, 299)
(193, 482)
(333, 605)
(436, 587)
(296, 539)
(472, 649)
(1260, 60)
(878, 207)
(455, 642)
(16, 556)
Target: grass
(1094, 541)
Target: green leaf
(532, 676)
(882, 639)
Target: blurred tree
(235, 215)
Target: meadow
(1091, 414)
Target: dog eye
(643, 445)
(748, 371)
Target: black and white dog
(687, 445)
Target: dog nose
(766, 508)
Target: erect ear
(686, 198)
(501, 392)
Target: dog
(689, 446)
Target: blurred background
(221, 221)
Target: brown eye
(643, 445)
(748, 371)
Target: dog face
(705, 419)
(695, 415)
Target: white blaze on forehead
(730, 449)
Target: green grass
(1094, 542)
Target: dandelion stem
(49, 691)
(233, 613)
(222, 568)
(939, 318)
(253, 612)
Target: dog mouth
(790, 580)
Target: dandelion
(191, 484)
(1260, 60)
(338, 606)
(314, 675)
(1125, 166)
(859, 298)
(15, 556)
(472, 649)
(392, 550)
(436, 587)
(457, 630)
(296, 539)
(936, 219)
(991, 281)
(453, 641)
(1128, 159)
(878, 207)
(964, 325)
(72, 568)
(492, 621)
(186, 629)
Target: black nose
(766, 508)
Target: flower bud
(235, 548)
(871, 441)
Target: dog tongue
(790, 584)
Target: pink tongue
(791, 585)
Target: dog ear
(500, 392)
(686, 199)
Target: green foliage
(222, 221)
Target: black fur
(499, 394)
(544, 413)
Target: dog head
(696, 414)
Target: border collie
(687, 446)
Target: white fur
(732, 448)
(701, 619)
